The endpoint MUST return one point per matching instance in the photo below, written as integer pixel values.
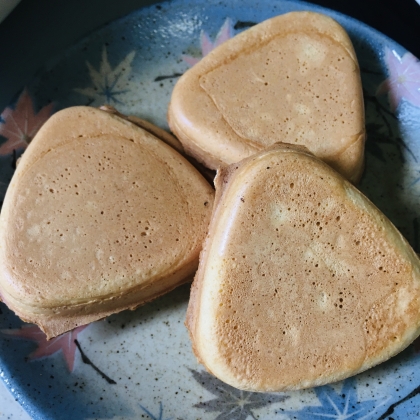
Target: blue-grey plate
(140, 364)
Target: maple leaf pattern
(20, 124)
(403, 81)
(153, 417)
(338, 406)
(108, 83)
(225, 33)
(46, 348)
(231, 403)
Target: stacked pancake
(100, 216)
(301, 281)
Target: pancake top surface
(303, 281)
(293, 78)
(95, 215)
(298, 87)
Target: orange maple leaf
(21, 123)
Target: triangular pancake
(302, 280)
(100, 216)
(293, 78)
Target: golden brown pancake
(100, 216)
(293, 78)
(302, 280)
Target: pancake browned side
(302, 280)
(293, 78)
(100, 216)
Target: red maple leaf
(46, 348)
(22, 123)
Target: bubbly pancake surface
(298, 87)
(61, 210)
(302, 280)
(97, 222)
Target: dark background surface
(38, 29)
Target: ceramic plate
(139, 364)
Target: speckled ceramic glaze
(140, 364)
